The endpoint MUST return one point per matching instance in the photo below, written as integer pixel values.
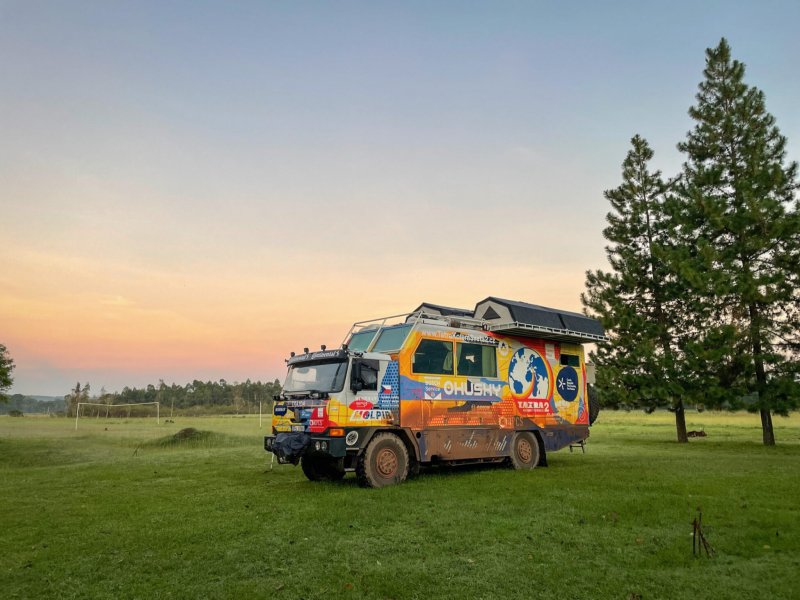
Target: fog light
(317, 446)
(323, 446)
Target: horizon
(192, 191)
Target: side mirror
(356, 385)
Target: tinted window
(571, 360)
(359, 342)
(391, 338)
(434, 357)
(475, 360)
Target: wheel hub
(386, 462)
(524, 450)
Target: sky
(191, 190)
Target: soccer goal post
(107, 406)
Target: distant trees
(76, 395)
(28, 404)
(6, 367)
(208, 396)
(703, 300)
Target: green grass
(119, 509)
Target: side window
(570, 360)
(476, 360)
(434, 357)
(369, 374)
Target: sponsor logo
(328, 354)
(469, 388)
(371, 415)
(433, 392)
(361, 404)
(302, 403)
(567, 383)
(279, 410)
(534, 407)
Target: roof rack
(545, 333)
(496, 315)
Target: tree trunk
(766, 427)
(768, 433)
(680, 422)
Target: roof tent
(530, 320)
(444, 311)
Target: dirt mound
(188, 433)
(190, 437)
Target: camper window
(571, 360)
(434, 357)
(475, 360)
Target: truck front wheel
(525, 452)
(321, 468)
(384, 461)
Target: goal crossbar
(78, 409)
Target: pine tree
(736, 203)
(638, 301)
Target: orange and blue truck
(503, 383)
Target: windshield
(321, 376)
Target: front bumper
(321, 444)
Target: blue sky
(215, 184)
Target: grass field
(116, 510)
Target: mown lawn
(112, 511)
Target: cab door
(362, 395)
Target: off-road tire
(321, 468)
(383, 462)
(525, 451)
(594, 403)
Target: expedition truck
(505, 382)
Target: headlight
(317, 446)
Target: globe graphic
(528, 375)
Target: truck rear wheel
(384, 462)
(525, 452)
(321, 468)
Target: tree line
(197, 396)
(702, 300)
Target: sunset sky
(190, 190)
